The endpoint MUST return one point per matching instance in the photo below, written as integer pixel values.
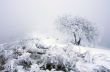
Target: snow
(37, 54)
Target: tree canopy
(80, 30)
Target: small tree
(80, 30)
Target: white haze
(18, 17)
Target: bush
(25, 64)
(2, 62)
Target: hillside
(48, 55)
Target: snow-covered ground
(45, 54)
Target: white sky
(23, 16)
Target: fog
(18, 17)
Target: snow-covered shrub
(25, 63)
(34, 55)
(2, 62)
(16, 53)
(101, 69)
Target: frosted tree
(80, 30)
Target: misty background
(18, 17)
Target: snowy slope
(48, 55)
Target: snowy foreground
(47, 55)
